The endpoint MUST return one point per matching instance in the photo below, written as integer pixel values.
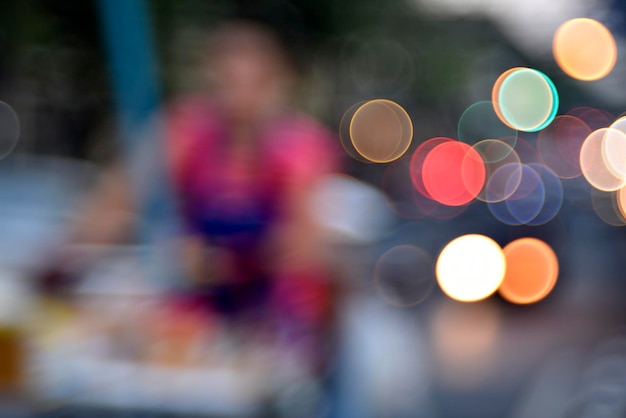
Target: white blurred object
(384, 360)
(120, 273)
(15, 296)
(350, 211)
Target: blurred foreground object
(253, 320)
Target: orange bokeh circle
(532, 269)
(584, 49)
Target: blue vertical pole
(130, 51)
(129, 46)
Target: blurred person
(243, 163)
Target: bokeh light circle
(526, 202)
(621, 201)
(453, 173)
(593, 164)
(614, 150)
(594, 118)
(559, 145)
(527, 100)
(379, 62)
(553, 195)
(470, 268)
(480, 121)
(532, 269)
(9, 129)
(526, 151)
(496, 154)
(495, 92)
(620, 124)
(405, 275)
(344, 132)
(381, 131)
(584, 49)
(417, 162)
(607, 206)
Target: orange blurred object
(584, 49)
(381, 131)
(12, 361)
(532, 269)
